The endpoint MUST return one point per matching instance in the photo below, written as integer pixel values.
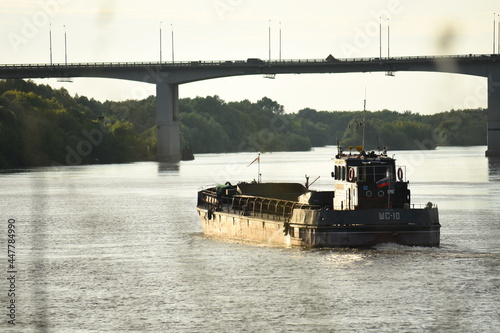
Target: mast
(259, 175)
(363, 133)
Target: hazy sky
(128, 30)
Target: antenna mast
(363, 135)
(259, 176)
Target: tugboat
(370, 205)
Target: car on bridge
(255, 61)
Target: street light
(65, 47)
(172, 26)
(160, 39)
(494, 31)
(388, 39)
(380, 36)
(280, 41)
(50, 42)
(269, 40)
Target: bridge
(169, 75)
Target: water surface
(107, 248)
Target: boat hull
(328, 228)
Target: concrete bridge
(169, 75)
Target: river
(107, 248)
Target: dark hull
(328, 228)
(365, 238)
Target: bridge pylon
(493, 114)
(167, 123)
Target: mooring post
(167, 123)
(493, 114)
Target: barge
(370, 204)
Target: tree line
(42, 126)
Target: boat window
(371, 173)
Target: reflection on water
(168, 167)
(494, 168)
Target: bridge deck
(258, 62)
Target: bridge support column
(493, 114)
(167, 123)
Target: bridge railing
(248, 62)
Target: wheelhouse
(369, 180)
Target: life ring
(351, 174)
(368, 193)
(380, 193)
(400, 174)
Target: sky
(129, 31)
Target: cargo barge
(370, 204)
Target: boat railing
(247, 205)
(422, 206)
(267, 207)
(209, 199)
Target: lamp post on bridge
(380, 36)
(172, 26)
(496, 33)
(388, 40)
(160, 40)
(269, 40)
(280, 41)
(65, 47)
(50, 42)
